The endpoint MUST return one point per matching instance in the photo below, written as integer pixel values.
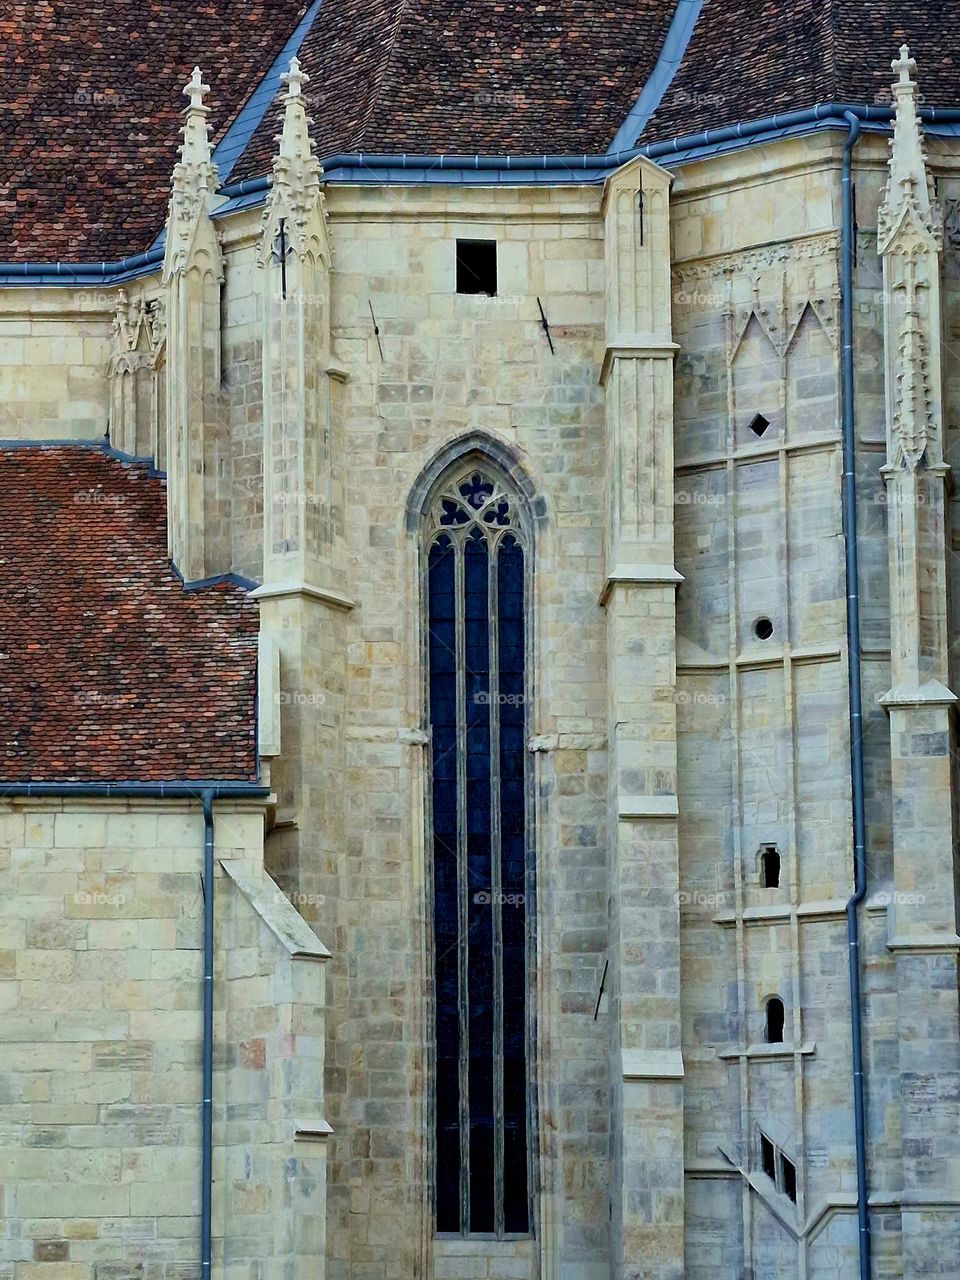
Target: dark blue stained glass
(453, 513)
(514, 881)
(478, 795)
(443, 719)
(476, 616)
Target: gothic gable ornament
(909, 220)
(293, 217)
(191, 237)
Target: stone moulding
(272, 591)
(652, 575)
(632, 807)
(652, 1064)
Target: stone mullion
(463, 905)
(496, 882)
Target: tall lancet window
(476, 592)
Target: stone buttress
(192, 281)
(922, 919)
(639, 596)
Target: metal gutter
(174, 790)
(658, 82)
(207, 793)
(522, 170)
(206, 1105)
(854, 674)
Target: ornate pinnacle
(908, 208)
(194, 177)
(295, 182)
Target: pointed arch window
(476, 590)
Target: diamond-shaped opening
(759, 425)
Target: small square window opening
(477, 267)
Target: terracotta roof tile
(90, 103)
(109, 670)
(469, 76)
(747, 60)
(91, 89)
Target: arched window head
(476, 587)
(775, 1020)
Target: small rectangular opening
(477, 267)
(770, 867)
(768, 1162)
(788, 1178)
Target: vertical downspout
(855, 682)
(206, 1165)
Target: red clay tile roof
(109, 670)
(91, 89)
(90, 112)
(469, 76)
(747, 60)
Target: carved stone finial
(904, 67)
(195, 149)
(196, 90)
(294, 79)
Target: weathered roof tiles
(109, 669)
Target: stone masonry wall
(453, 365)
(100, 987)
(763, 723)
(54, 350)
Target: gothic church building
(479, 587)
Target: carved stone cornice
(746, 261)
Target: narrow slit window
(775, 1019)
(477, 575)
(788, 1178)
(477, 267)
(758, 424)
(768, 1157)
(770, 867)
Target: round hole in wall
(763, 628)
